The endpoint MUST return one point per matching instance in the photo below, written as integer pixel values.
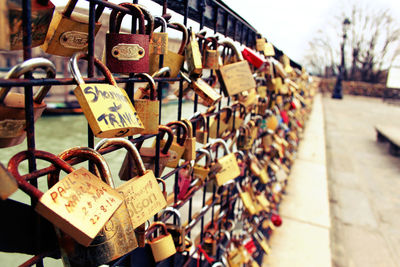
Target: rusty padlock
(148, 110)
(210, 53)
(11, 26)
(162, 246)
(201, 172)
(220, 122)
(143, 196)
(178, 144)
(235, 77)
(117, 237)
(159, 40)
(174, 60)
(68, 32)
(190, 142)
(12, 105)
(107, 107)
(176, 230)
(66, 203)
(193, 56)
(128, 53)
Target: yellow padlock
(224, 116)
(178, 144)
(190, 142)
(162, 246)
(201, 172)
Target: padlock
(260, 42)
(8, 184)
(224, 117)
(262, 91)
(260, 238)
(237, 117)
(128, 53)
(163, 245)
(12, 105)
(148, 110)
(107, 107)
(269, 50)
(144, 92)
(253, 58)
(257, 169)
(171, 59)
(201, 172)
(208, 94)
(210, 244)
(159, 40)
(279, 68)
(262, 105)
(201, 135)
(143, 196)
(163, 186)
(236, 77)
(242, 140)
(248, 99)
(263, 202)
(193, 56)
(178, 146)
(184, 181)
(247, 200)
(117, 237)
(65, 204)
(227, 165)
(235, 258)
(177, 231)
(286, 64)
(190, 142)
(210, 53)
(11, 26)
(68, 32)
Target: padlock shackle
(150, 20)
(116, 17)
(185, 36)
(214, 46)
(26, 66)
(229, 44)
(150, 84)
(204, 152)
(157, 224)
(189, 126)
(229, 113)
(166, 130)
(160, 21)
(175, 212)
(125, 143)
(218, 142)
(70, 6)
(182, 137)
(88, 153)
(163, 72)
(14, 162)
(74, 69)
(164, 185)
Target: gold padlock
(68, 32)
(163, 245)
(210, 53)
(209, 96)
(144, 92)
(107, 107)
(172, 60)
(8, 184)
(201, 135)
(117, 237)
(12, 105)
(220, 121)
(257, 169)
(227, 165)
(159, 40)
(201, 172)
(193, 56)
(190, 143)
(238, 117)
(143, 196)
(178, 146)
(260, 42)
(176, 230)
(248, 202)
(148, 110)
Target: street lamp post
(337, 92)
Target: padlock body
(211, 59)
(158, 43)
(229, 169)
(67, 35)
(172, 60)
(148, 112)
(162, 247)
(200, 172)
(8, 184)
(206, 92)
(108, 110)
(143, 197)
(210, 246)
(214, 125)
(12, 119)
(260, 42)
(190, 149)
(176, 151)
(236, 78)
(254, 59)
(11, 37)
(127, 53)
(201, 136)
(193, 59)
(248, 203)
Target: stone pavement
(304, 237)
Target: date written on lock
(82, 198)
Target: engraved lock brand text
(74, 39)
(128, 52)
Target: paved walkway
(304, 237)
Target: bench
(390, 134)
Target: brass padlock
(129, 53)
(236, 77)
(176, 230)
(163, 245)
(11, 23)
(257, 169)
(68, 32)
(201, 172)
(222, 123)
(237, 117)
(202, 135)
(148, 110)
(8, 184)
(143, 196)
(262, 91)
(208, 94)
(279, 68)
(227, 165)
(12, 105)
(190, 142)
(210, 244)
(144, 92)
(262, 106)
(159, 40)
(269, 50)
(173, 60)
(193, 56)
(260, 238)
(66, 204)
(117, 237)
(107, 107)
(260, 43)
(178, 144)
(242, 139)
(210, 53)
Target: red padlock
(253, 58)
(276, 219)
(250, 246)
(284, 116)
(128, 53)
(184, 180)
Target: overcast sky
(288, 24)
